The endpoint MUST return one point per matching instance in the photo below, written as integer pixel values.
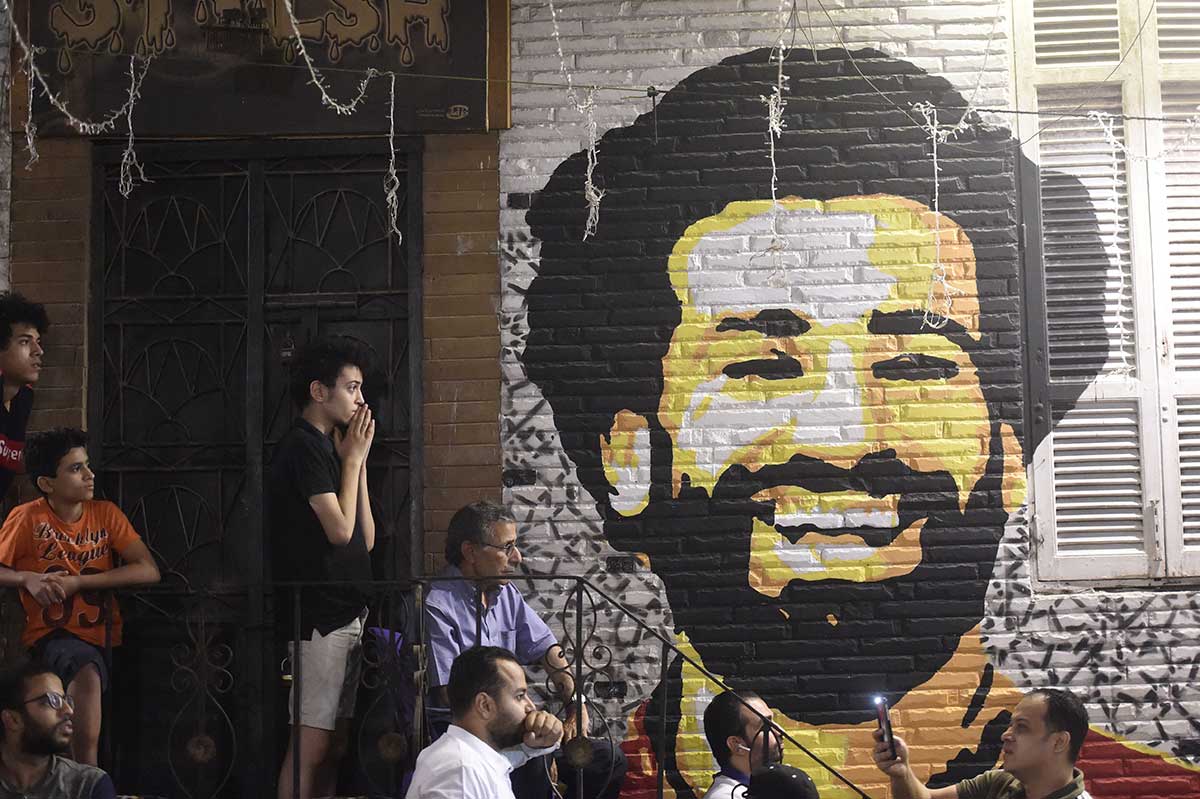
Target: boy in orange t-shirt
(58, 550)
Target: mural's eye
(915, 366)
(781, 367)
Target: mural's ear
(1013, 484)
(626, 455)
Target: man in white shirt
(735, 735)
(494, 728)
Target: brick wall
(50, 241)
(633, 384)
(462, 342)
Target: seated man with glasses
(480, 607)
(36, 716)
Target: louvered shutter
(1076, 32)
(1178, 30)
(1180, 203)
(1116, 475)
(1096, 521)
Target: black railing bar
(579, 730)
(661, 745)
(296, 688)
(700, 668)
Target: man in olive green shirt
(1041, 745)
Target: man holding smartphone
(1040, 747)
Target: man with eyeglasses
(37, 720)
(479, 606)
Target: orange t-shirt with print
(35, 539)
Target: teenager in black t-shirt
(22, 325)
(321, 530)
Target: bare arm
(367, 519)
(46, 589)
(139, 569)
(338, 512)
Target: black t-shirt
(13, 422)
(305, 465)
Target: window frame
(1157, 386)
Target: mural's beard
(820, 651)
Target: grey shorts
(67, 655)
(330, 667)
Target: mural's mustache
(877, 474)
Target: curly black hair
(15, 309)
(323, 359)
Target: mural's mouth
(822, 518)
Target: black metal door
(205, 281)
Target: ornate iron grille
(205, 281)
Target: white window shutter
(1183, 224)
(1076, 32)
(1093, 517)
(1098, 523)
(1081, 209)
(1180, 204)
(1179, 30)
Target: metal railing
(213, 727)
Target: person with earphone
(734, 725)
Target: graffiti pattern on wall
(806, 418)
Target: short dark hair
(722, 718)
(323, 359)
(1065, 713)
(14, 680)
(44, 451)
(471, 523)
(15, 309)
(476, 671)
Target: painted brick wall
(612, 480)
(462, 342)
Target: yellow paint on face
(742, 387)
(625, 453)
(929, 718)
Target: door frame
(256, 731)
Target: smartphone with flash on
(885, 724)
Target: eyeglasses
(53, 700)
(507, 549)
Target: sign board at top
(232, 67)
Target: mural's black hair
(601, 312)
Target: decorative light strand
(940, 279)
(591, 194)
(1190, 130)
(1123, 336)
(28, 54)
(30, 125)
(391, 181)
(776, 103)
(129, 160)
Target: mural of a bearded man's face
(805, 412)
